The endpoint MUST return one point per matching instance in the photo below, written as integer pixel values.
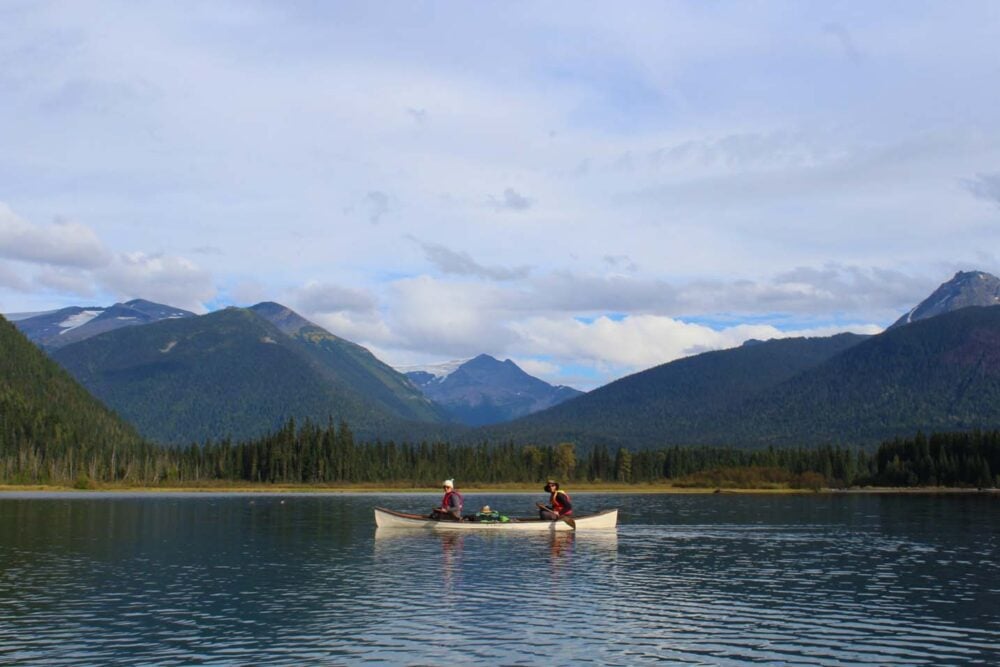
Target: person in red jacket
(451, 504)
(559, 505)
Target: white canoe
(606, 520)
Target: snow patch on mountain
(78, 320)
(439, 371)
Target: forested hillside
(226, 374)
(353, 366)
(50, 427)
(937, 374)
(672, 403)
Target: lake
(109, 578)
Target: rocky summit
(967, 288)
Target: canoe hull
(385, 518)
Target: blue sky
(589, 189)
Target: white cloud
(67, 281)
(667, 165)
(167, 279)
(248, 292)
(11, 279)
(639, 342)
(316, 297)
(63, 243)
(538, 367)
(369, 328)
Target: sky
(589, 189)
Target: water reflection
(805, 580)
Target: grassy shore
(582, 487)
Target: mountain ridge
(230, 373)
(964, 289)
(485, 390)
(55, 329)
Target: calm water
(119, 579)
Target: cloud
(418, 115)
(621, 262)
(844, 38)
(538, 367)
(984, 186)
(461, 264)
(70, 260)
(563, 319)
(67, 281)
(163, 278)
(316, 297)
(643, 341)
(378, 205)
(511, 200)
(63, 243)
(10, 279)
(207, 250)
(709, 165)
(805, 293)
(454, 320)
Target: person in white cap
(451, 503)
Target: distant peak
(269, 306)
(283, 317)
(482, 360)
(440, 370)
(965, 289)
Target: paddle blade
(571, 522)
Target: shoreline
(584, 488)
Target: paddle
(569, 521)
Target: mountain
(673, 402)
(353, 365)
(941, 373)
(487, 391)
(937, 374)
(44, 411)
(966, 288)
(235, 373)
(58, 328)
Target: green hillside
(938, 374)
(353, 364)
(45, 413)
(230, 373)
(673, 403)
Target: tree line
(310, 453)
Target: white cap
(449, 482)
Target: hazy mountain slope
(674, 402)
(487, 391)
(65, 326)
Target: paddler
(451, 503)
(559, 503)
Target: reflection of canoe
(606, 520)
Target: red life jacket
(447, 497)
(556, 505)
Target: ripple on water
(699, 581)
